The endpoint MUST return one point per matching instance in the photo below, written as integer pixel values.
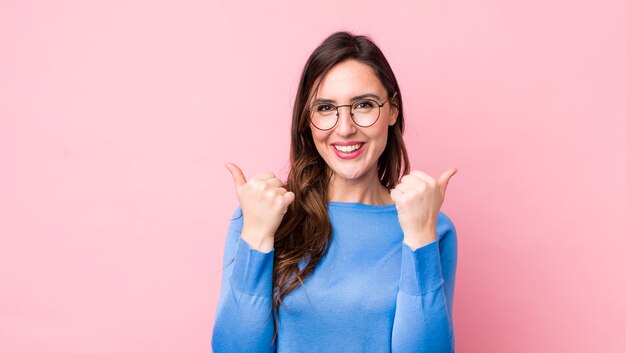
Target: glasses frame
(380, 105)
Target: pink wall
(117, 117)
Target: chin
(347, 174)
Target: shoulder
(445, 227)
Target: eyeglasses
(363, 112)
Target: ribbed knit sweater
(369, 293)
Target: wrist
(258, 240)
(417, 240)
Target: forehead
(349, 79)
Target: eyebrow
(325, 100)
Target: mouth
(349, 151)
(348, 148)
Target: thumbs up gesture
(418, 198)
(263, 201)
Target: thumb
(236, 173)
(392, 194)
(444, 179)
(289, 196)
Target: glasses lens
(365, 112)
(323, 116)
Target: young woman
(353, 249)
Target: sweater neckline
(362, 206)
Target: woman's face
(344, 81)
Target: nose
(345, 125)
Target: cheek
(381, 137)
(381, 142)
(319, 138)
(320, 144)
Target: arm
(423, 319)
(243, 319)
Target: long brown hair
(305, 231)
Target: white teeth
(347, 149)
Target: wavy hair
(305, 231)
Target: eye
(363, 104)
(323, 107)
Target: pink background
(117, 117)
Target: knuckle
(412, 193)
(270, 193)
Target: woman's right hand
(263, 201)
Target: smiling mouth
(348, 149)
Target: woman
(354, 248)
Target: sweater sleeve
(423, 317)
(243, 319)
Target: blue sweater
(369, 293)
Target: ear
(394, 110)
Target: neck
(366, 189)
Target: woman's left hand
(418, 198)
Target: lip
(352, 154)
(348, 143)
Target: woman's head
(362, 124)
(342, 67)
